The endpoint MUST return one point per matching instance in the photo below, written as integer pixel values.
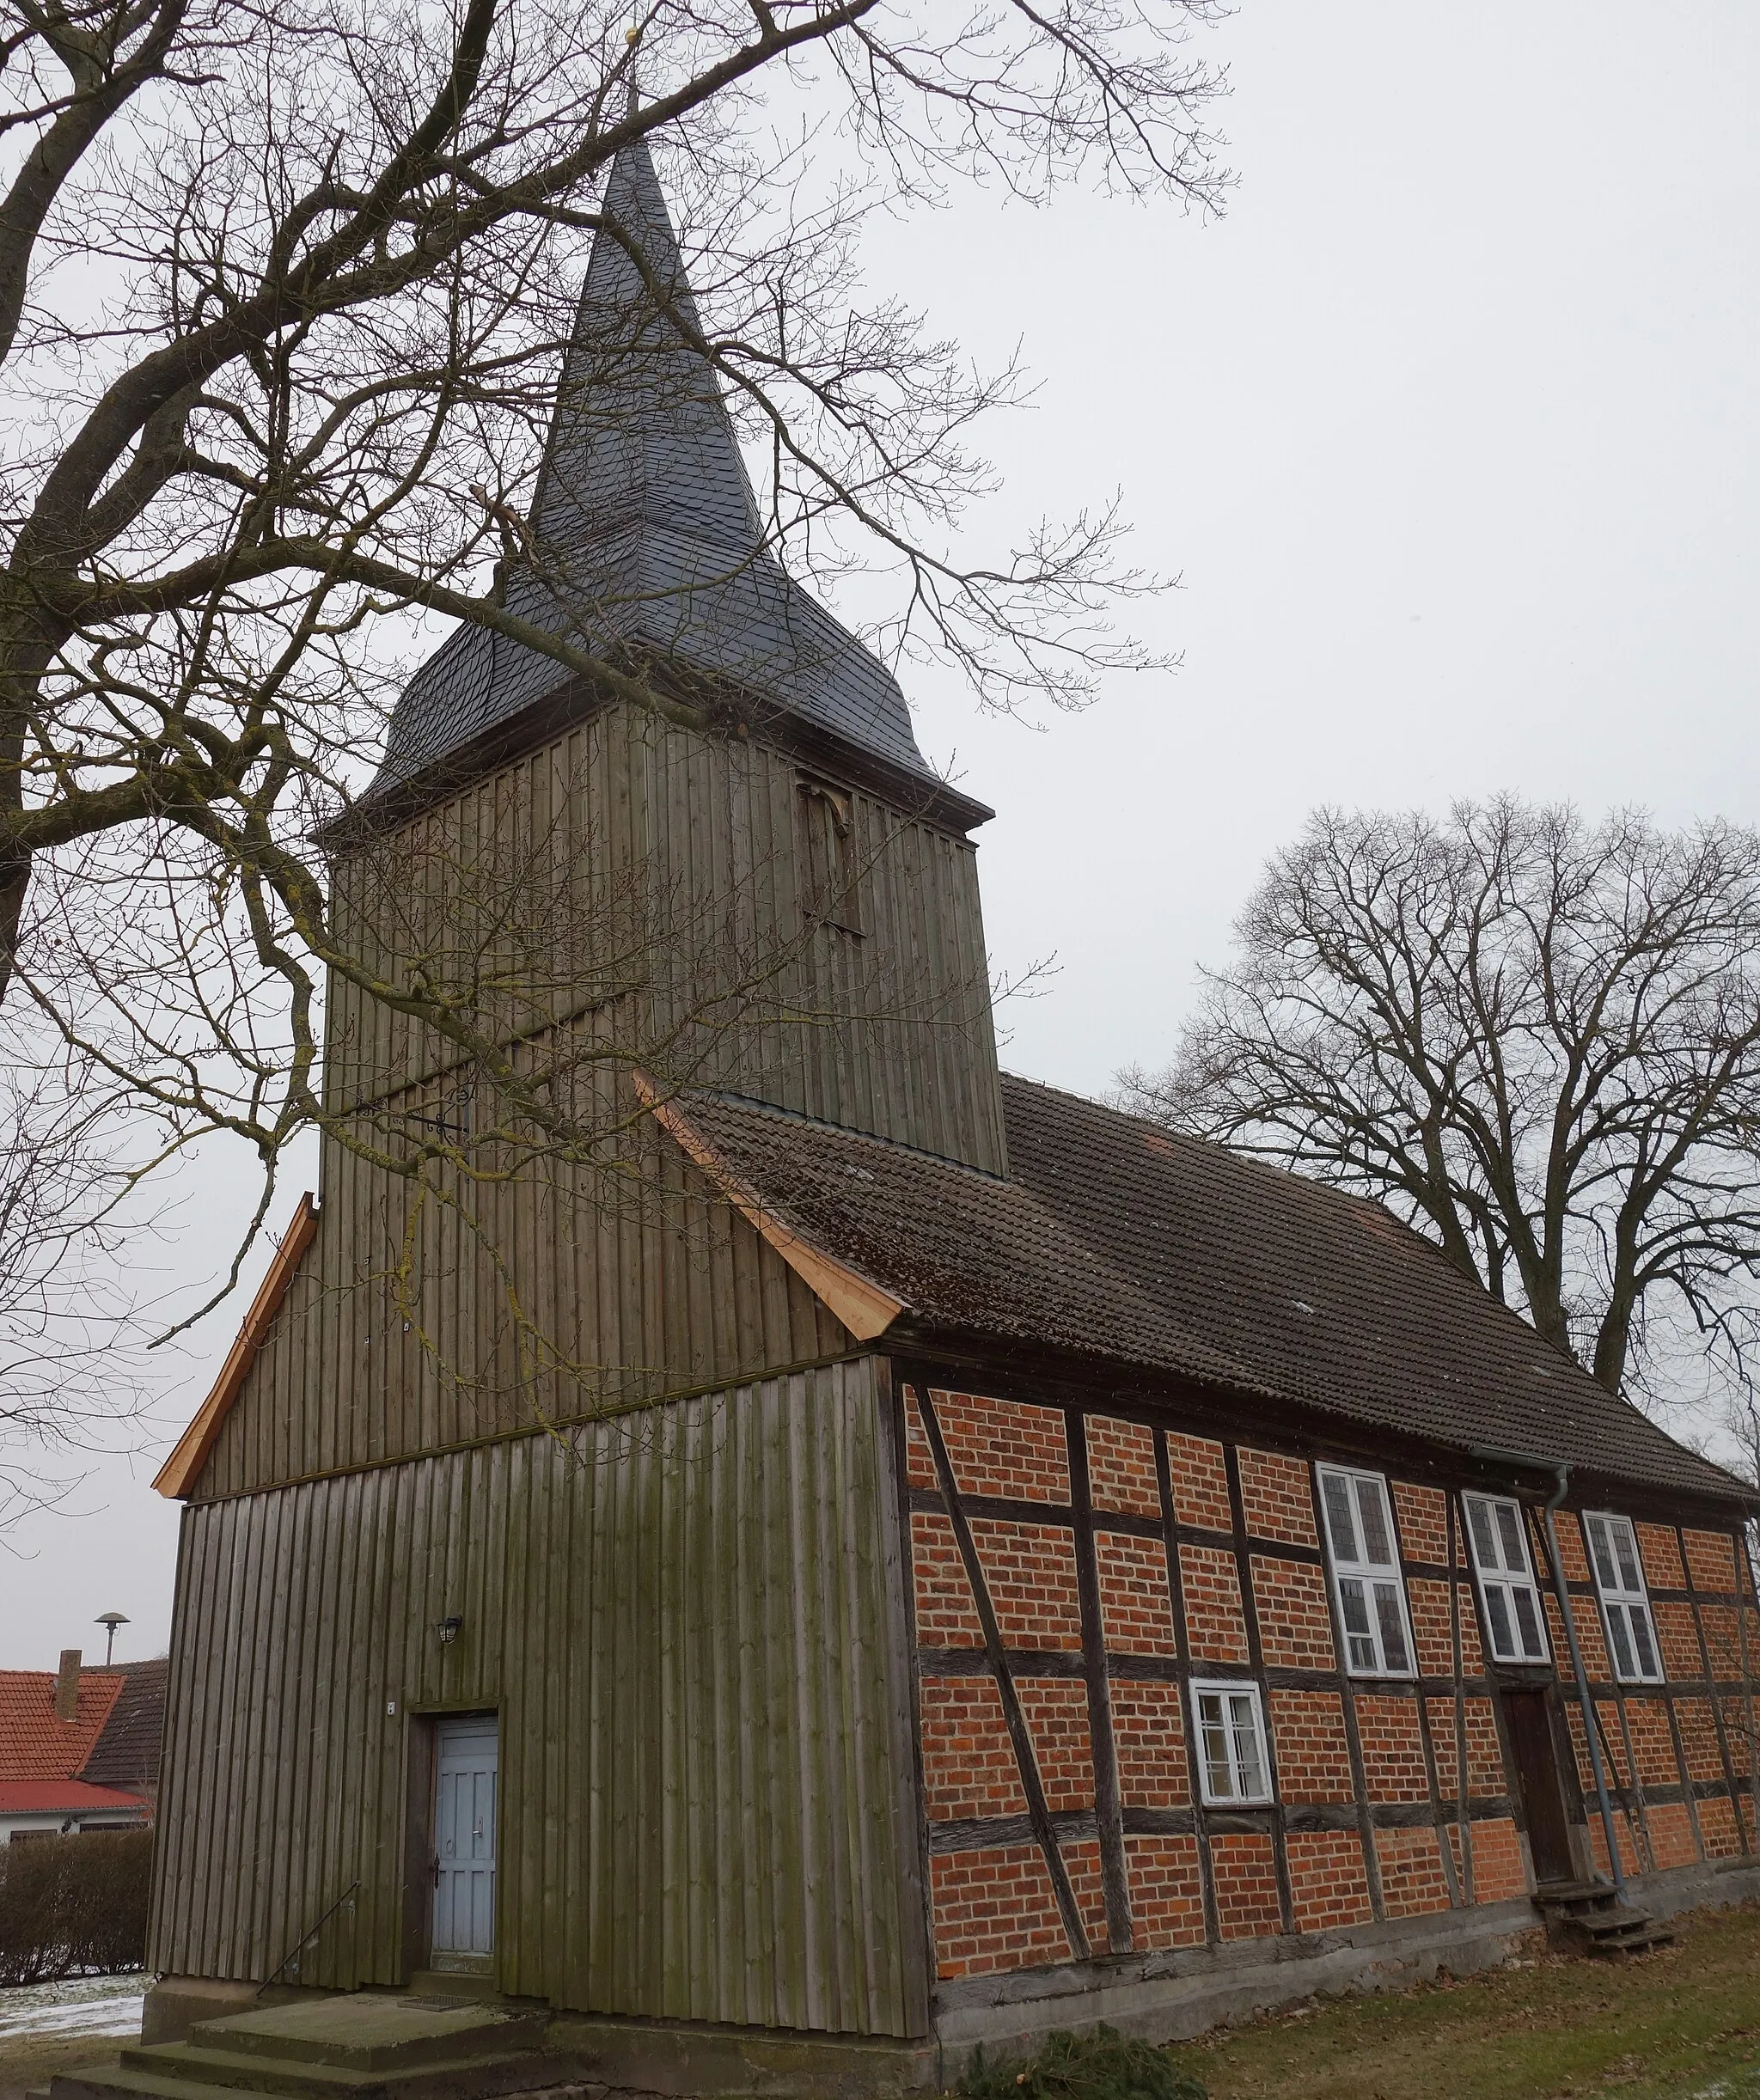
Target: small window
(1371, 1597)
(1625, 1603)
(1233, 1764)
(1505, 1575)
(829, 886)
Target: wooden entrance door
(1529, 1725)
(467, 1767)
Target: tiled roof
(61, 1797)
(1117, 1241)
(647, 535)
(126, 1753)
(33, 1743)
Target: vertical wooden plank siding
(689, 849)
(644, 1285)
(685, 1619)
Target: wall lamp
(448, 1629)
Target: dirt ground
(1683, 2022)
(29, 2061)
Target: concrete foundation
(1162, 1998)
(684, 2061)
(1170, 1997)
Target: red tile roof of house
(61, 1797)
(34, 1743)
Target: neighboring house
(948, 1560)
(79, 1749)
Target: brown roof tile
(1115, 1240)
(126, 1753)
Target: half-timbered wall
(672, 885)
(690, 1625)
(1073, 1572)
(1678, 1756)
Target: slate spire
(643, 535)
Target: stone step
(368, 2046)
(202, 2075)
(450, 1984)
(112, 2081)
(290, 2078)
(371, 2031)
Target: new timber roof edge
(863, 1307)
(178, 1475)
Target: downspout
(1562, 1471)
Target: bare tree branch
(1537, 1041)
(285, 290)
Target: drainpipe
(1562, 1471)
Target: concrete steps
(364, 2047)
(1588, 1917)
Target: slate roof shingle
(647, 535)
(1117, 1240)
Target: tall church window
(830, 883)
(1365, 1573)
(1625, 1602)
(1507, 1587)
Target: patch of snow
(96, 2005)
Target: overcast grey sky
(1450, 428)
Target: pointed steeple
(645, 537)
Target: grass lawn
(1684, 2022)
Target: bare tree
(1536, 1040)
(74, 1318)
(284, 286)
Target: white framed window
(1506, 1586)
(1625, 1602)
(1233, 1767)
(1366, 1577)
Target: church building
(738, 1527)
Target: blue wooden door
(467, 1768)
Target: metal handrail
(300, 1945)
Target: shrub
(72, 1904)
(1100, 2065)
